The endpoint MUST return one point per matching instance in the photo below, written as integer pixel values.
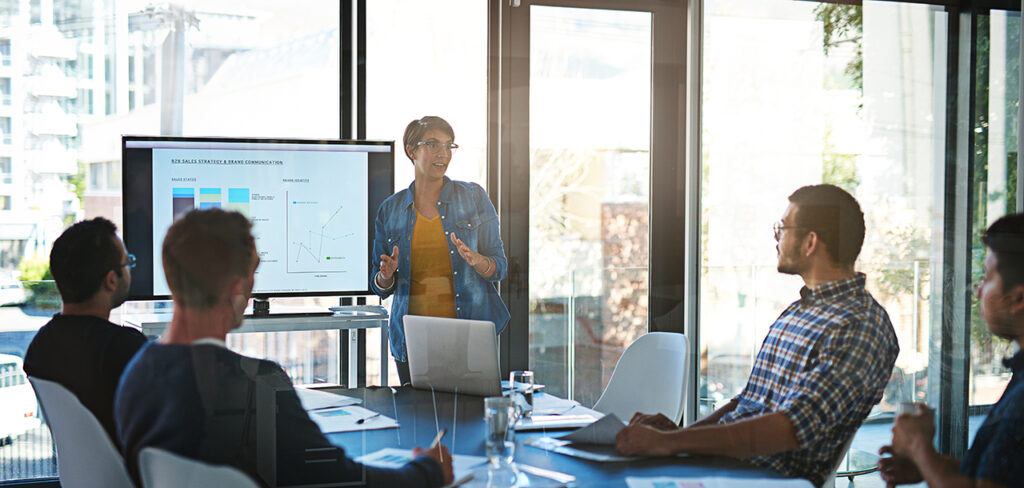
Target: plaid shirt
(824, 364)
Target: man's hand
(657, 421)
(442, 456)
(897, 470)
(642, 440)
(913, 431)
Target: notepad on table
(318, 399)
(393, 458)
(347, 419)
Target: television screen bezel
(371, 209)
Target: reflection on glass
(589, 178)
(995, 181)
(429, 58)
(89, 71)
(412, 71)
(799, 93)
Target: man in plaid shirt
(823, 365)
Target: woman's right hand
(388, 265)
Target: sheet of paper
(601, 432)
(544, 404)
(392, 458)
(316, 399)
(668, 482)
(575, 417)
(345, 419)
(601, 454)
(505, 386)
(557, 422)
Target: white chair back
(162, 469)
(86, 456)
(830, 482)
(650, 377)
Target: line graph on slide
(317, 237)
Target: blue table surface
(420, 413)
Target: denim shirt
(465, 210)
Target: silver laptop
(453, 355)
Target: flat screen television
(312, 204)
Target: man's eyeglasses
(436, 146)
(131, 261)
(779, 226)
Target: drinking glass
(501, 414)
(521, 386)
(905, 407)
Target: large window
(798, 93)
(259, 68)
(995, 129)
(427, 58)
(589, 193)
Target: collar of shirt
(833, 289)
(1016, 362)
(209, 341)
(446, 192)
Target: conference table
(420, 413)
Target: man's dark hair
(203, 251)
(833, 214)
(1005, 237)
(415, 130)
(82, 256)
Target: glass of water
(501, 414)
(521, 385)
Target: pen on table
(329, 407)
(437, 440)
(364, 419)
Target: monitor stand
(260, 307)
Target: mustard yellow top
(430, 286)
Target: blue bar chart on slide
(318, 237)
(209, 198)
(183, 200)
(238, 200)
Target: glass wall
(590, 112)
(995, 128)
(427, 58)
(75, 76)
(798, 93)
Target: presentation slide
(310, 228)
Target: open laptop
(453, 355)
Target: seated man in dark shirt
(994, 458)
(79, 348)
(188, 394)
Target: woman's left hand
(472, 257)
(483, 265)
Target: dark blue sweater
(207, 403)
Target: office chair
(86, 457)
(163, 469)
(650, 377)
